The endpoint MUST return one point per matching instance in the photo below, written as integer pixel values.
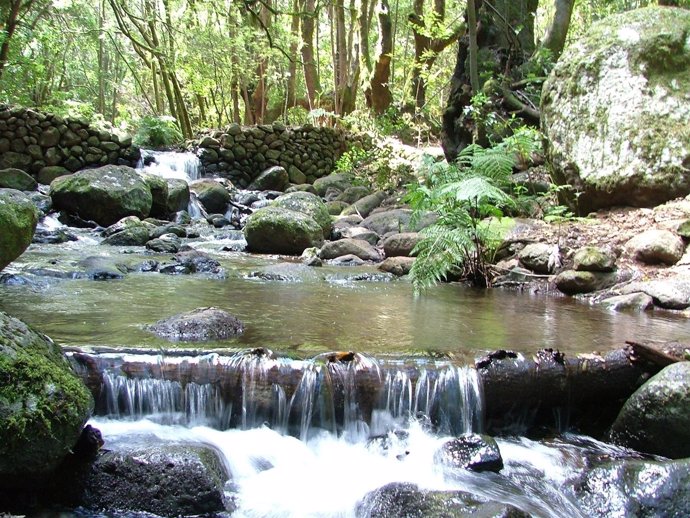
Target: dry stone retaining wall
(35, 141)
(242, 153)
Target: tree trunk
(378, 95)
(558, 30)
(311, 75)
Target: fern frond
(441, 250)
(477, 190)
(495, 163)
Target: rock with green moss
(277, 230)
(616, 113)
(17, 179)
(308, 204)
(104, 195)
(159, 193)
(43, 404)
(211, 194)
(18, 218)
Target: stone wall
(242, 153)
(42, 144)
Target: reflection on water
(320, 309)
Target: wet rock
(538, 257)
(367, 235)
(398, 265)
(656, 418)
(18, 219)
(396, 220)
(104, 195)
(159, 194)
(656, 246)
(340, 181)
(631, 302)
(636, 488)
(572, 282)
(401, 244)
(352, 194)
(282, 231)
(272, 179)
(471, 451)
(310, 257)
(54, 236)
(181, 217)
(43, 404)
(166, 480)
(199, 325)
(211, 194)
(357, 247)
(17, 179)
(43, 202)
(168, 228)
(167, 243)
(365, 206)
(406, 500)
(198, 262)
(178, 196)
(99, 268)
(593, 259)
(627, 70)
(666, 293)
(347, 260)
(308, 204)
(128, 231)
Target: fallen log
(660, 353)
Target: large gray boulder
(104, 195)
(276, 230)
(43, 404)
(616, 114)
(656, 246)
(656, 418)
(199, 325)
(357, 247)
(18, 219)
(309, 204)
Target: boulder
(401, 244)
(17, 179)
(211, 194)
(667, 293)
(49, 173)
(656, 246)
(347, 260)
(352, 194)
(104, 195)
(471, 451)
(369, 236)
(406, 500)
(194, 261)
(593, 259)
(18, 219)
(397, 220)
(159, 193)
(398, 265)
(99, 268)
(308, 204)
(572, 282)
(656, 418)
(164, 479)
(178, 195)
(281, 231)
(340, 181)
(631, 302)
(636, 488)
(336, 207)
(43, 404)
(538, 257)
(365, 206)
(356, 247)
(199, 325)
(166, 243)
(272, 179)
(305, 187)
(615, 111)
(128, 231)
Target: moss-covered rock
(159, 193)
(616, 111)
(104, 195)
(212, 194)
(43, 404)
(17, 179)
(308, 204)
(18, 218)
(276, 230)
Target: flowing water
(295, 432)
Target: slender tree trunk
(311, 75)
(558, 30)
(291, 87)
(10, 25)
(379, 95)
(472, 31)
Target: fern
(462, 194)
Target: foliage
(157, 132)
(377, 166)
(463, 194)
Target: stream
(317, 467)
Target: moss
(18, 219)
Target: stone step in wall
(39, 143)
(306, 152)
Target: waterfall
(183, 166)
(348, 394)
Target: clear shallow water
(317, 310)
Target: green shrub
(156, 132)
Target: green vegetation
(157, 132)
(460, 244)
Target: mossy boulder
(17, 179)
(104, 195)
(339, 181)
(43, 404)
(616, 113)
(276, 230)
(212, 194)
(18, 219)
(159, 194)
(178, 195)
(272, 179)
(308, 204)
